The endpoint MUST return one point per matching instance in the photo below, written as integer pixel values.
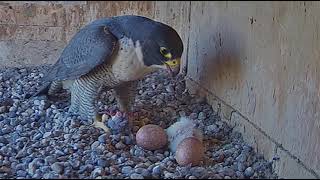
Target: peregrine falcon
(112, 53)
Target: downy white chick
(180, 130)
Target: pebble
(144, 172)
(201, 115)
(57, 167)
(102, 162)
(3, 109)
(228, 171)
(32, 167)
(113, 170)
(169, 89)
(168, 175)
(241, 158)
(60, 145)
(50, 175)
(21, 153)
(102, 138)
(239, 175)
(120, 145)
(47, 134)
(95, 145)
(6, 130)
(136, 176)
(36, 102)
(59, 152)
(74, 163)
(37, 136)
(97, 172)
(3, 140)
(127, 140)
(121, 160)
(50, 159)
(156, 170)
(21, 173)
(198, 171)
(213, 128)
(159, 102)
(241, 167)
(249, 172)
(126, 169)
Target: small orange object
(190, 151)
(151, 137)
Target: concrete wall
(34, 32)
(256, 62)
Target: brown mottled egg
(151, 137)
(190, 151)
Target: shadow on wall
(219, 66)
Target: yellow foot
(98, 123)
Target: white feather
(180, 130)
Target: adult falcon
(112, 53)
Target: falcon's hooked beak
(173, 66)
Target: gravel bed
(39, 139)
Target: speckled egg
(151, 137)
(190, 151)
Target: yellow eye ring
(165, 52)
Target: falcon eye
(165, 52)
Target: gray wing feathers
(90, 47)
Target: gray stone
(102, 138)
(192, 177)
(198, 171)
(36, 102)
(136, 176)
(47, 134)
(249, 172)
(37, 136)
(169, 89)
(121, 160)
(143, 171)
(3, 109)
(241, 158)
(32, 168)
(97, 172)
(241, 167)
(74, 163)
(95, 145)
(228, 171)
(120, 145)
(126, 170)
(213, 128)
(201, 115)
(57, 167)
(21, 173)
(168, 175)
(3, 140)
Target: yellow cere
(168, 55)
(173, 62)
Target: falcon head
(163, 48)
(160, 46)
